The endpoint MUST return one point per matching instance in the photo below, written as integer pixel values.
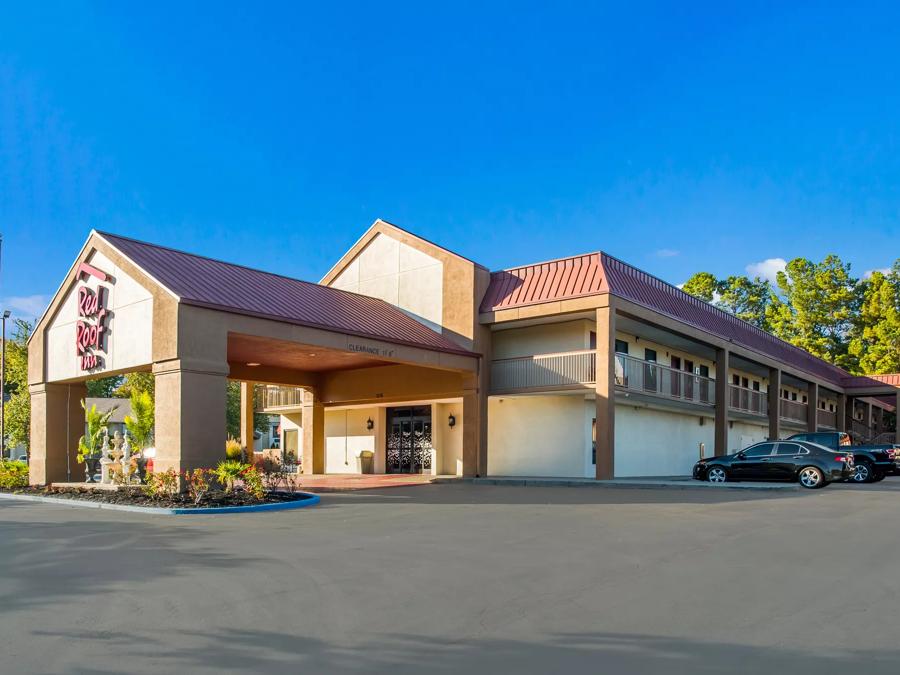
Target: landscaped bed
(136, 496)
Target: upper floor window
(621, 346)
(650, 355)
(755, 385)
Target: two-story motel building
(407, 357)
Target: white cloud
(767, 269)
(667, 253)
(868, 273)
(26, 306)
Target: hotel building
(407, 357)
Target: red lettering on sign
(89, 334)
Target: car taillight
(842, 458)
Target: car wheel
(879, 475)
(810, 477)
(863, 473)
(716, 474)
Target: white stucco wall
(741, 434)
(128, 332)
(399, 274)
(655, 443)
(538, 436)
(345, 437)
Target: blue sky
(677, 136)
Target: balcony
(647, 377)
(793, 411)
(271, 397)
(747, 400)
(826, 419)
(566, 370)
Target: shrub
(13, 474)
(140, 423)
(229, 471)
(253, 483)
(233, 449)
(198, 482)
(91, 443)
(162, 484)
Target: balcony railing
(544, 371)
(793, 410)
(271, 396)
(826, 418)
(748, 400)
(647, 377)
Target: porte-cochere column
(57, 422)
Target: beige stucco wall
(448, 443)
(346, 437)
(399, 274)
(128, 327)
(548, 338)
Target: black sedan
(813, 465)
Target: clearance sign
(91, 324)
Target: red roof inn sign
(92, 314)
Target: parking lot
(463, 578)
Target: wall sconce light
(370, 424)
(451, 421)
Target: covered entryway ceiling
(244, 350)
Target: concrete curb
(310, 500)
(632, 484)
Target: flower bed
(135, 496)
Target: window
(736, 380)
(831, 407)
(621, 347)
(755, 385)
(760, 450)
(744, 382)
(650, 355)
(822, 405)
(784, 394)
(804, 398)
(793, 395)
(676, 362)
(790, 449)
(704, 371)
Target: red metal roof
(597, 273)
(206, 282)
(892, 379)
(545, 282)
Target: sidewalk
(678, 482)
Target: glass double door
(409, 444)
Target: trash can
(367, 461)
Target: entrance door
(409, 445)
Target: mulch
(134, 496)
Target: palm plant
(140, 422)
(89, 445)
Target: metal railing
(272, 396)
(648, 377)
(792, 410)
(748, 400)
(544, 371)
(826, 418)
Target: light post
(3, 389)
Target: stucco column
(812, 407)
(381, 432)
(313, 434)
(840, 414)
(190, 414)
(605, 392)
(247, 416)
(57, 422)
(473, 417)
(722, 370)
(849, 413)
(774, 397)
(897, 416)
(867, 417)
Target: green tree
(746, 298)
(136, 382)
(816, 309)
(875, 342)
(140, 422)
(233, 412)
(103, 387)
(18, 407)
(702, 285)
